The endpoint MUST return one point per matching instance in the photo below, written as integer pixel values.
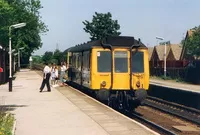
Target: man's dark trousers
(46, 81)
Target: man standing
(46, 76)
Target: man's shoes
(40, 90)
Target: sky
(144, 19)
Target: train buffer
(61, 112)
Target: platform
(175, 85)
(62, 112)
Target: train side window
(79, 61)
(73, 60)
(86, 61)
(137, 62)
(121, 61)
(103, 61)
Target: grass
(6, 123)
(178, 80)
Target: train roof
(114, 41)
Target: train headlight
(103, 84)
(138, 84)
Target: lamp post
(19, 25)
(160, 38)
(19, 57)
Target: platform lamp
(19, 25)
(19, 57)
(160, 38)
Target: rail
(152, 124)
(186, 113)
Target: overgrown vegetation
(6, 123)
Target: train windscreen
(137, 62)
(121, 61)
(104, 61)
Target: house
(150, 51)
(158, 55)
(173, 53)
(173, 58)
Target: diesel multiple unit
(114, 69)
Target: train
(115, 69)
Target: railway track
(186, 113)
(152, 124)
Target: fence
(189, 73)
(169, 64)
(171, 72)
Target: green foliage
(192, 43)
(47, 57)
(18, 11)
(37, 59)
(6, 124)
(166, 78)
(53, 57)
(102, 26)
(57, 56)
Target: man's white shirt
(46, 70)
(63, 68)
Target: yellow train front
(115, 69)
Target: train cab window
(103, 61)
(121, 61)
(137, 62)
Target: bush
(6, 123)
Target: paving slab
(175, 85)
(112, 121)
(61, 111)
(43, 113)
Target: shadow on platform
(4, 108)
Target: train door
(121, 69)
(101, 69)
(138, 69)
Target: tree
(37, 59)
(192, 43)
(57, 56)
(17, 11)
(47, 57)
(102, 26)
